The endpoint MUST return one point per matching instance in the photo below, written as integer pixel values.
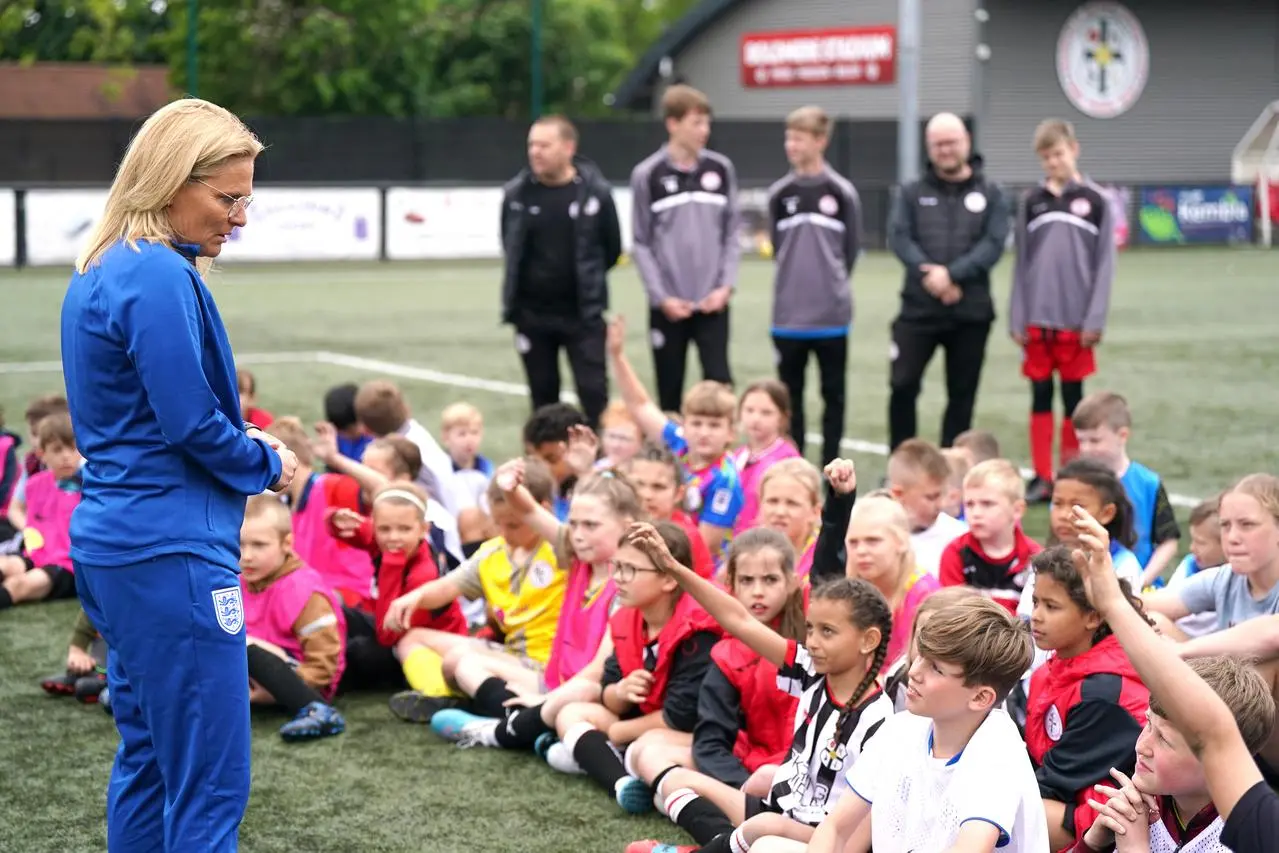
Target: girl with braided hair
(1086, 705)
(835, 676)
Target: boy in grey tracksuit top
(814, 217)
(685, 247)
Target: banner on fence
(463, 223)
(294, 224)
(8, 230)
(58, 223)
(1169, 216)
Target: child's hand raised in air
(616, 338)
(510, 475)
(1123, 819)
(1092, 560)
(346, 522)
(583, 449)
(635, 687)
(79, 662)
(645, 537)
(325, 443)
(842, 476)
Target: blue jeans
(179, 684)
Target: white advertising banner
(58, 224)
(624, 199)
(8, 230)
(459, 223)
(443, 223)
(293, 224)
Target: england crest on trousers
(229, 609)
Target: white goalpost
(1256, 163)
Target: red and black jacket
(393, 576)
(743, 720)
(630, 639)
(964, 563)
(1083, 717)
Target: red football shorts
(1056, 350)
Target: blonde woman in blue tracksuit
(168, 465)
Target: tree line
(400, 58)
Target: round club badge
(975, 202)
(572, 210)
(1081, 207)
(828, 205)
(592, 206)
(711, 181)
(1103, 59)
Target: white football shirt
(919, 803)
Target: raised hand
(583, 449)
(1092, 560)
(842, 476)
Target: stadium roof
(638, 85)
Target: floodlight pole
(535, 71)
(193, 26)
(908, 41)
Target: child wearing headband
(395, 534)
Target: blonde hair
(709, 399)
(403, 494)
(186, 140)
(1052, 131)
(1263, 488)
(271, 509)
(810, 119)
(460, 414)
(998, 474)
(798, 469)
(915, 460)
(881, 510)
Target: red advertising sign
(847, 56)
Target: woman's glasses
(239, 204)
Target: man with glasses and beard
(948, 229)
(560, 236)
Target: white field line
(246, 358)
(514, 389)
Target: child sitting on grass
(519, 577)
(662, 644)
(1167, 795)
(86, 674)
(44, 570)
(294, 625)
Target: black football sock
(593, 753)
(489, 696)
(522, 728)
(281, 680)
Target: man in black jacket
(561, 237)
(949, 230)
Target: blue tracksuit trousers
(179, 683)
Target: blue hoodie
(156, 409)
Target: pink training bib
(270, 614)
(752, 468)
(581, 626)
